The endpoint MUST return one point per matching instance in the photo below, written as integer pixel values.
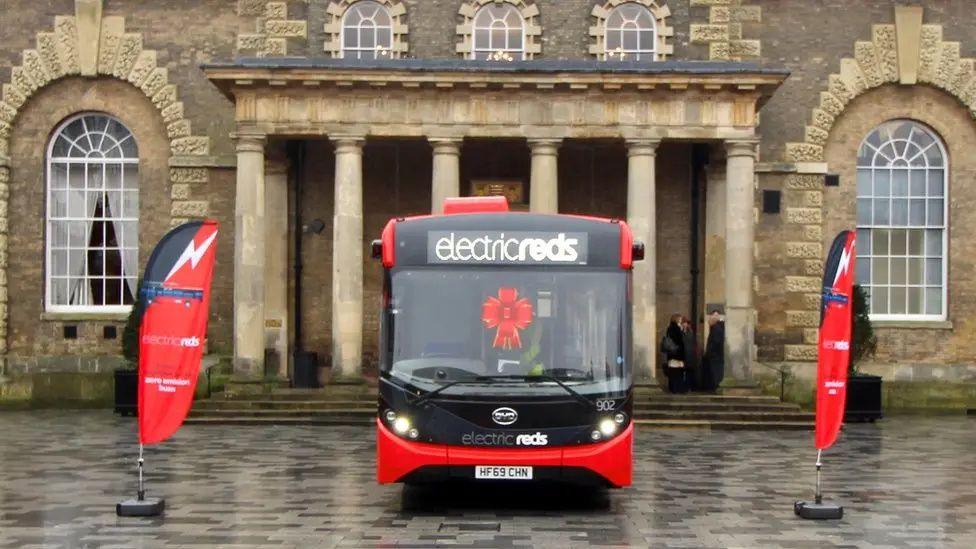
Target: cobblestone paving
(905, 482)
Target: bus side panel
(396, 457)
(613, 460)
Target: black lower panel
(443, 473)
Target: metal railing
(783, 374)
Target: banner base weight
(818, 511)
(149, 507)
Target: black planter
(863, 399)
(126, 392)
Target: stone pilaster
(249, 258)
(641, 216)
(739, 253)
(347, 260)
(446, 180)
(714, 271)
(544, 177)
(276, 265)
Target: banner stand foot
(148, 507)
(817, 509)
(141, 506)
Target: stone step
(715, 406)
(731, 415)
(723, 425)
(274, 421)
(700, 398)
(283, 404)
(338, 412)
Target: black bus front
(506, 364)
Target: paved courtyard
(905, 482)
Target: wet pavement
(905, 482)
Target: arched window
(902, 211)
(499, 31)
(92, 237)
(631, 33)
(367, 31)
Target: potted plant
(863, 390)
(127, 379)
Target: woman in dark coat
(673, 346)
(692, 375)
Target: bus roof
(507, 239)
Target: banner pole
(142, 488)
(818, 497)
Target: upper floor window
(902, 215)
(367, 31)
(630, 32)
(633, 30)
(92, 240)
(498, 30)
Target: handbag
(675, 363)
(668, 346)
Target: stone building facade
(732, 134)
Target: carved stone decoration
(111, 52)
(723, 30)
(530, 18)
(272, 28)
(663, 32)
(876, 63)
(333, 27)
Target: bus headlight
(401, 425)
(607, 427)
(390, 416)
(595, 436)
(620, 418)
(414, 433)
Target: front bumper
(397, 458)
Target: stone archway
(90, 45)
(907, 53)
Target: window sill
(913, 324)
(82, 316)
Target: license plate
(503, 472)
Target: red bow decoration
(510, 314)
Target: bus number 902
(605, 404)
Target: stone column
(446, 180)
(276, 265)
(714, 271)
(739, 229)
(544, 178)
(641, 216)
(249, 258)
(347, 260)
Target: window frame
(49, 161)
(359, 50)
(946, 183)
(512, 8)
(649, 55)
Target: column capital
(446, 145)
(545, 146)
(642, 147)
(250, 141)
(741, 147)
(348, 144)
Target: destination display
(506, 248)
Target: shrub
(864, 343)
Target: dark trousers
(676, 380)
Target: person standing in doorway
(692, 372)
(673, 347)
(713, 361)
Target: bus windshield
(485, 330)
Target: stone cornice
(680, 77)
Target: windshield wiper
(543, 377)
(431, 394)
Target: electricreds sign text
(513, 247)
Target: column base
(242, 384)
(337, 378)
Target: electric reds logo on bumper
(504, 439)
(514, 247)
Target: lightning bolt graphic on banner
(844, 265)
(192, 254)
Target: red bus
(505, 347)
